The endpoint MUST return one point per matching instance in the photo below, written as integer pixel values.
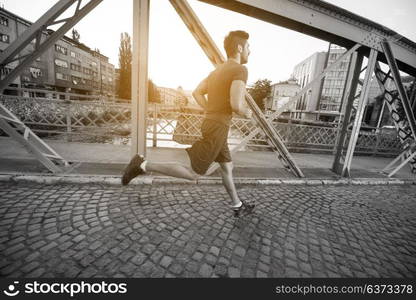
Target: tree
(153, 93)
(124, 60)
(260, 90)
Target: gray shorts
(212, 147)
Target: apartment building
(325, 96)
(281, 93)
(66, 66)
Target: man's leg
(172, 169)
(138, 165)
(227, 180)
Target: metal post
(155, 113)
(68, 117)
(359, 114)
(380, 119)
(347, 102)
(399, 86)
(139, 76)
(412, 97)
(321, 86)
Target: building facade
(174, 97)
(66, 66)
(303, 73)
(280, 94)
(324, 97)
(334, 82)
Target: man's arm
(200, 92)
(237, 99)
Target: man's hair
(233, 39)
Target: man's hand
(200, 92)
(249, 114)
(237, 98)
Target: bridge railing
(103, 120)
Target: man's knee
(195, 175)
(227, 168)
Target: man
(226, 89)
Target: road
(184, 230)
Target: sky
(175, 58)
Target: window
(87, 71)
(75, 80)
(35, 72)
(75, 55)
(61, 76)
(75, 67)
(4, 71)
(61, 63)
(4, 21)
(4, 38)
(61, 49)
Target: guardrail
(102, 120)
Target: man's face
(245, 53)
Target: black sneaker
(133, 169)
(245, 208)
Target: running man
(226, 89)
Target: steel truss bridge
(361, 37)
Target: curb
(150, 180)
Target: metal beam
(405, 157)
(360, 112)
(139, 76)
(346, 108)
(199, 32)
(392, 100)
(399, 86)
(412, 97)
(18, 131)
(327, 22)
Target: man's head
(236, 44)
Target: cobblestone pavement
(93, 230)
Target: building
(67, 66)
(323, 99)
(174, 97)
(334, 82)
(303, 73)
(280, 94)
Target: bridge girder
(330, 23)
